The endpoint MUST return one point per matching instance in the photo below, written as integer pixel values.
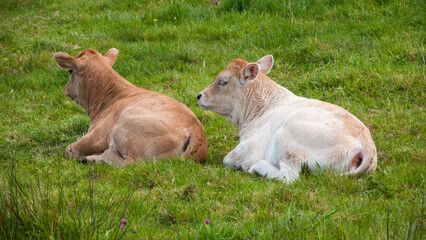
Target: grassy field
(366, 56)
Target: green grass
(366, 56)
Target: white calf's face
(225, 96)
(220, 95)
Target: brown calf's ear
(266, 63)
(64, 60)
(112, 55)
(251, 71)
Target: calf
(279, 131)
(127, 123)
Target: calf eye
(222, 83)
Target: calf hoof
(84, 160)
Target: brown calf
(127, 123)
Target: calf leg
(286, 173)
(242, 157)
(113, 157)
(230, 162)
(110, 157)
(90, 159)
(264, 168)
(89, 144)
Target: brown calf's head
(226, 94)
(77, 66)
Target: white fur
(280, 132)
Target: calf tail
(363, 160)
(195, 146)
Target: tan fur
(131, 123)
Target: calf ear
(251, 71)
(266, 64)
(64, 60)
(112, 55)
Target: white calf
(280, 132)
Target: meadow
(366, 56)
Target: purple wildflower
(207, 221)
(134, 231)
(123, 221)
(171, 217)
(122, 227)
(216, 3)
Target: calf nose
(198, 96)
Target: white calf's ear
(64, 60)
(266, 63)
(112, 55)
(251, 71)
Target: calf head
(227, 93)
(78, 68)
